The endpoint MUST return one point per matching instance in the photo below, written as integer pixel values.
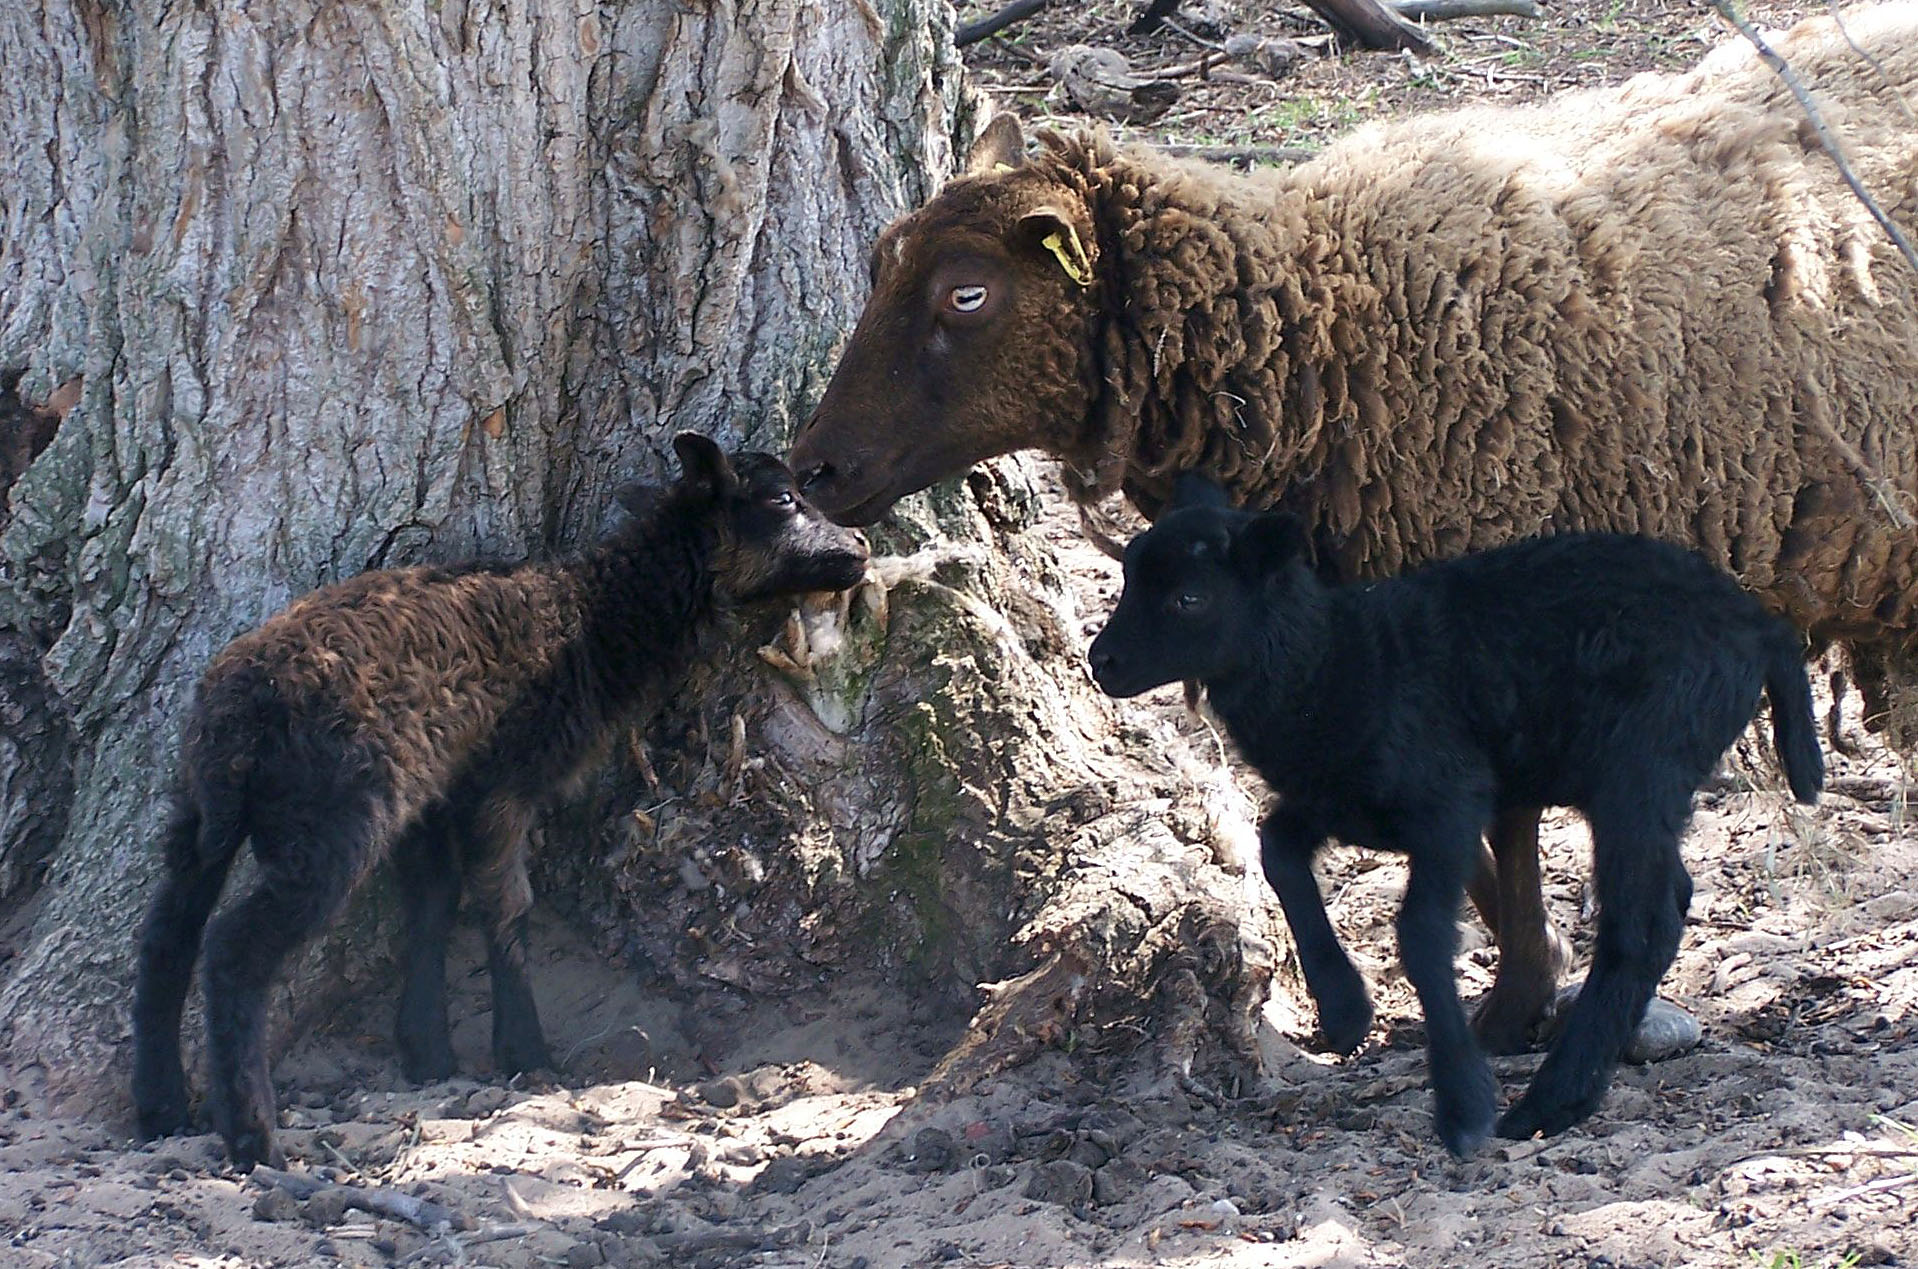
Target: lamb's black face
(778, 543)
(1192, 603)
(1180, 613)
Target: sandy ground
(719, 1131)
(793, 1133)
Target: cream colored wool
(1655, 308)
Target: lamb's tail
(1793, 729)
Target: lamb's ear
(1001, 145)
(1192, 489)
(1266, 543)
(1049, 229)
(702, 462)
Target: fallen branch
(398, 1205)
(750, 1239)
(1017, 11)
(1825, 138)
(1240, 153)
(459, 1243)
(1446, 10)
(1371, 24)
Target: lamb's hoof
(1344, 1029)
(1464, 1120)
(428, 1067)
(253, 1146)
(1665, 1032)
(168, 1119)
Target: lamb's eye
(783, 500)
(966, 299)
(1189, 602)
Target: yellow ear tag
(1074, 262)
(1002, 167)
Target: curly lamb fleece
(1655, 308)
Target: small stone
(1665, 1032)
(722, 1092)
(327, 1208)
(1063, 1182)
(1118, 1181)
(482, 1102)
(783, 1175)
(277, 1206)
(583, 1255)
(932, 1150)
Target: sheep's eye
(966, 299)
(1188, 602)
(784, 500)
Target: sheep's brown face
(976, 342)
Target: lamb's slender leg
(1464, 1092)
(245, 947)
(169, 944)
(1532, 952)
(504, 896)
(1643, 893)
(430, 892)
(1289, 841)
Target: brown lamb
(1654, 308)
(427, 714)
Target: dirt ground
(792, 1133)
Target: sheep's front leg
(1532, 953)
(1288, 842)
(1465, 1093)
(505, 896)
(430, 893)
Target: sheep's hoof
(1505, 1017)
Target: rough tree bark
(312, 288)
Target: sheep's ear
(1266, 543)
(1052, 231)
(1001, 145)
(1194, 490)
(702, 462)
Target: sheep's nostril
(815, 476)
(1101, 662)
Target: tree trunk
(316, 288)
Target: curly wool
(1651, 309)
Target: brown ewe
(1654, 309)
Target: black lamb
(428, 714)
(1601, 672)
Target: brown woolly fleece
(1654, 308)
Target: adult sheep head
(976, 340)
